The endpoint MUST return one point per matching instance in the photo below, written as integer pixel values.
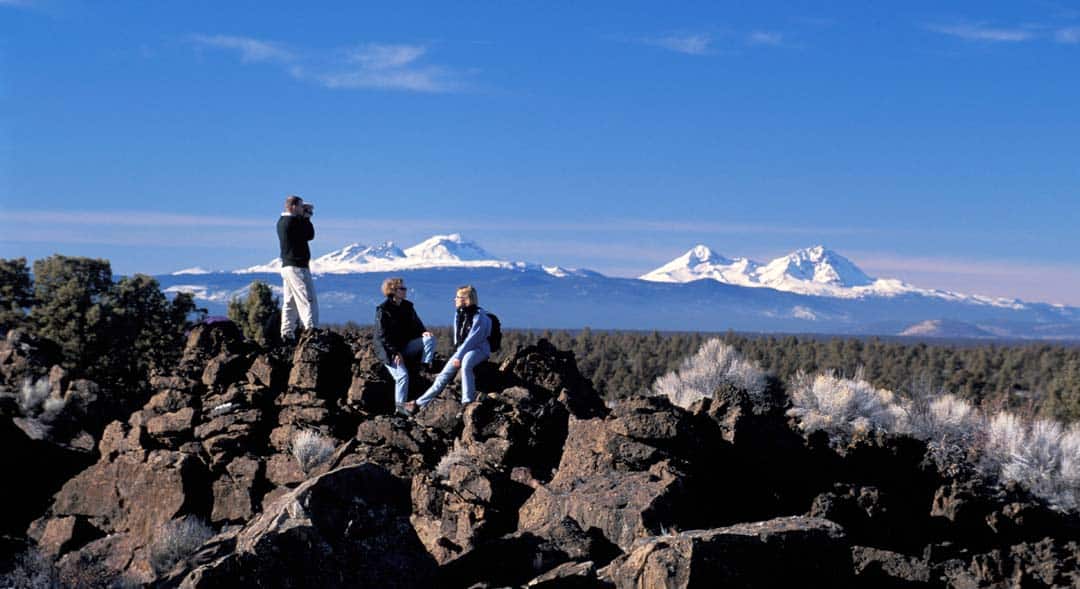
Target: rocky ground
(538, 484)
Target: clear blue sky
(934, 142)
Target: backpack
(495, 338)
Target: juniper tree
(259, 315)
(71, 306)
(16, 293)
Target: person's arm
(309, 229)
(481, 327)
(419, 323)
(382, 338)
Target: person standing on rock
(400, 335)
(472, 327)
(298, 304)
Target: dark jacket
(395, 326)
(293, 234)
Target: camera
(309, 209)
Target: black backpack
(495, 338)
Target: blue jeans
(468, 380)
(421, 346)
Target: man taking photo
(294, 231)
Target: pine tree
(71, 307)
(259, 315)
(16, 293)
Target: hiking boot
(404, 409)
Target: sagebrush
(715, 365)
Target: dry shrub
(715, 365)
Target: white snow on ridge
(193, 270)
(439, 251)
(701, 262)
(451, 247)
(813, 271)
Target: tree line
(116, 333)
(119, 332)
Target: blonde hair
(391, 284)
(469, 291)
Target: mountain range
(809, 290)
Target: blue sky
(933, 142)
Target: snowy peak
(701, 262)
(356, 253)
(451, 247)
(701, 254)
(816, 265)
(439, 251)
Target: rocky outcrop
(348, 528)
(786, 552)
(536, 484)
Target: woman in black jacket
(399, 334)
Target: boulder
(24, 456)
(517, 428)
(515, 559)
(266, 372)
(647, 467)
(464, 503)
(542, 367)
(322, 362)
(399, 445)
(371, 387)
(225, 368)
(65, 534)
(136, 497)
(347, 528)
(236, 492)
(813, 553)
(889, 570)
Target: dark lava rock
(784, 552)
(347, 528)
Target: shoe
(404, 410)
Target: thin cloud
(979, 32)
(127, 219)
(250, 50)
(692, 44)
(376, 56)
(1069, 36)
(371, 66)
(770, 38)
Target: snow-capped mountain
(810, 290)
(439, 251)
(816, 265)
(701, 262)
(194, 270)
(816, 271)
(448, 248)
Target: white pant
(299, 301)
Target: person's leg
(311, 317)
(444, 378)
(401, 382)
(413, 349)
(288, 304)
(468, 379)
(304, 295)
(429, 349)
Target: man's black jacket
(294, 233)
(395, 326)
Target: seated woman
(471, 330)
(399, 334)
